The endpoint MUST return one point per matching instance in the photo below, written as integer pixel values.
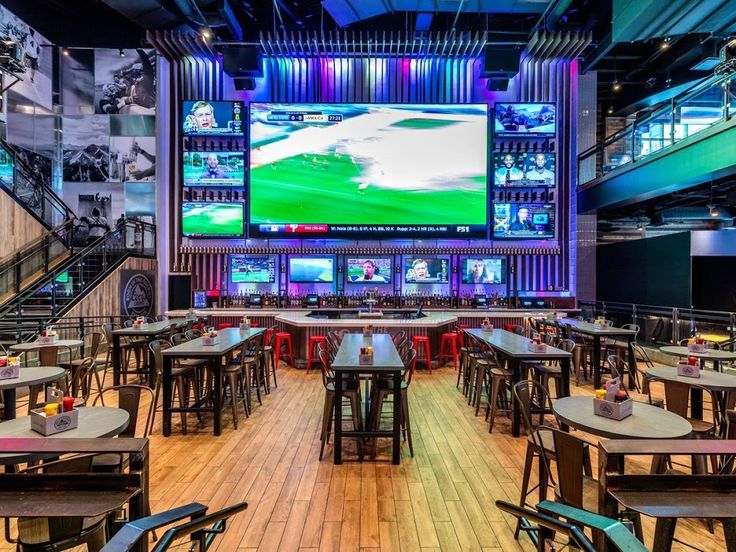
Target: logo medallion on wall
(137, 294)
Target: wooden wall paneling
(18, 227)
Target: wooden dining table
(386, 361)
(515, 349)
(229, 339)
(29, 375)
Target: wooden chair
(47, 356)
(180, 376)
(255, 367)
(126, 349)
(350, 390)
(618, 367)
(92, 348)
(51, 534)
(235, 376)
(501, 381)
(545, 372)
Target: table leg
(596, 362)
(729, 531)
(514, 365)
(150, 365)
(565, 368)
(8, 404)
(367, 407)
(166, 384)
(338, 417)
(633, 377)
(664, 532)
(696, 403)
(396, 443)
(217, 390)
(116, 360)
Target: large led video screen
(524, 169)
(205, 118)
(212, 220)
(252, 270)
(525, 119)
(523, 221)
(213, 168)
(373, 270)
(378, 170)
(314, 270)
(479, 270)
(424, 270)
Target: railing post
(732, 329)
(633, 313)
(81, 330)
(675, 326)
(46, 254)
(672, 122)
(53, 295)
(17, 273)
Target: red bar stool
(224, 325)
(449, 339)
(282, 338)
(314, 342)
(255, 325)
(421, 342)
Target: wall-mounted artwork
(125, 85)
(86, 148)
(132, 159)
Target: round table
(94, 422)
(645, 422)
(714, 355)
(35, 345)
(35, 375)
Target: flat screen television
(213, 168)
(423, 270)
(524, 169)
(252, 270)
(479, 270)
(378, 170)
(525, 119)
(6, 168)
(199, 299)
(523, 221)
(317, 270)
(368, 270)
(208, 118)
(212, 220)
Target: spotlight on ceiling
(640, 227)
(205, 33)
(610, 110)
(65, 51)
(121, 53)
(665, 44)
(616, 86)
(713, 210)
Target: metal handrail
(671, 106)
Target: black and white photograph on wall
(36, 58)
(30, 125)
(125, 84)
(99, 208)
(86, 148)
(40, 165)
(132, 159)
(77, 80)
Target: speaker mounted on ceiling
(242, 61)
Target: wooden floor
(442, 499)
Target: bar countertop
(456, 313)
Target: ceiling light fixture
(206, 33)
(64, 51)
(616, 86)
(713, 210)
(121, 53)
(610, 110)
(665, 44)
(640, 227)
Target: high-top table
(515, 348)
(386, 361)
(229, 340)
(150, 332)
(35, 375)
(596, 331)
(33, 346)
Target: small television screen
(523, 220)
(477, 270)
(63, 278)
(524, 169)
(316, 270)
(213, 168)
(481, 301)
(527, 119)
(6, 168)
(205, 118)
(369, 270)
(426, 270)
(199, 299)
(252, 270)
(211, 220)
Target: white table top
(516, 346)
(710, 379)
(229, 339)
(708, 354)
(34, 375)
(385, 355)
(34, 346)
(593, 329)
(94, 422)
(646, 421)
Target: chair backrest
(616, 365)
(518, 329)
(640, 354)
(327, 375)
(408, 361)
(268, 339)
(128, 324)
(192, 334)
(634, 327)
(92, 342)
(107, 332)
(255, 346)
(82, 377)
(48, 356)
(531, 396)
(178, 339)
(161, 318)
(156, 346)
(677, 395)
(129, 399)
(570, 458)
(567, 345)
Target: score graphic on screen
(204, 118)
(213, 168)
(341, 170)
(523, 221)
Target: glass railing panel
(653, 134)
(617, 152)
(699, 111)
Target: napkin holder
(536, 347)
(687, 370)
(365, 360)
(47, 339)
(209, 341)
(486, 327)
(613, 410)
(51, 425)
(696, 347)
(10, 371)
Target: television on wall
(210, 118)
(369, 170)
(524, 169)
(252, 270)
(480, 270)
(524, 119)
(316, 270)
(368, 270)
(424, 270)
(213, 168)
(212, 220)
(523, 221)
